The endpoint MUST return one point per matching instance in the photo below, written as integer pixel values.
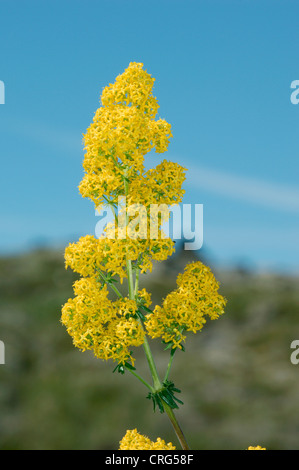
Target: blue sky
(223, 72)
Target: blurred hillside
(238, 384)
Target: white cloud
(44, 133)
(263, 193)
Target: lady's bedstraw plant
(123, 131)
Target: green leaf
(146, 309)
(129, 366)
(140, 315)
(179, 401)
(159, 403)
(167, 397)
(119, 368)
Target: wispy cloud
(44, 133)
(263, 193)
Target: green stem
(128, 261)
(111, 205)
(141, 379)
(136, 282)
(130, 279)
(176, 427)
(169, 364)
(152, 366)
(113, 287)
(157, 386)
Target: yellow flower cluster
(256, 448)
(186, 308)
(109, 328)
(135, 441)
(90, 254)
(123, 130)
(159, 185)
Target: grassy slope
(238, 384)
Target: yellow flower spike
(123, 130)
(135, 441)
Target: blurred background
(223, 73)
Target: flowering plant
(123, 131)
